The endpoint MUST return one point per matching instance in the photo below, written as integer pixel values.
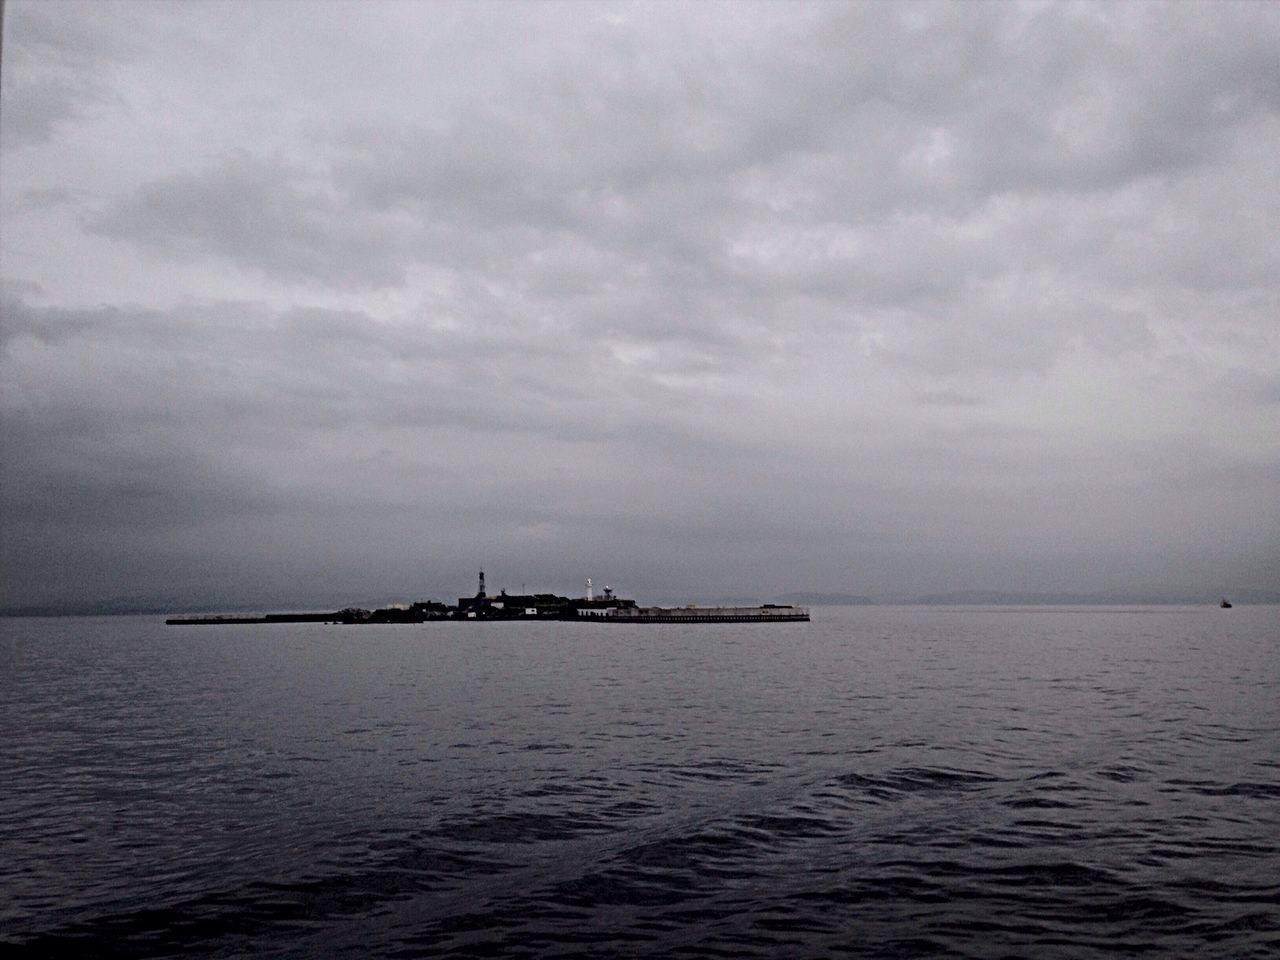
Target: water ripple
(890, 783)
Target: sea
(882, 782)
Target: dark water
(884, 782)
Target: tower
(480, 593)
(588, 588)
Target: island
(607, 608)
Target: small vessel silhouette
(1225, 604)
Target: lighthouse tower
(589, 597)
(480, 592)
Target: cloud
(34, 108)
(55, 70)
(912, 294)
(260, 215)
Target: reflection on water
(881, 782)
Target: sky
(326, 301)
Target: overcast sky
(328, 300)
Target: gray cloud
(34, 108)
(53, 73)
(752, 297)
(262, 216)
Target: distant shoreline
(1238, 598)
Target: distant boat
(1225, 604)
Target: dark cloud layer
(260, 216)
(742, 298)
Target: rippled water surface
(882, 782)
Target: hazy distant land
(1154, 597)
